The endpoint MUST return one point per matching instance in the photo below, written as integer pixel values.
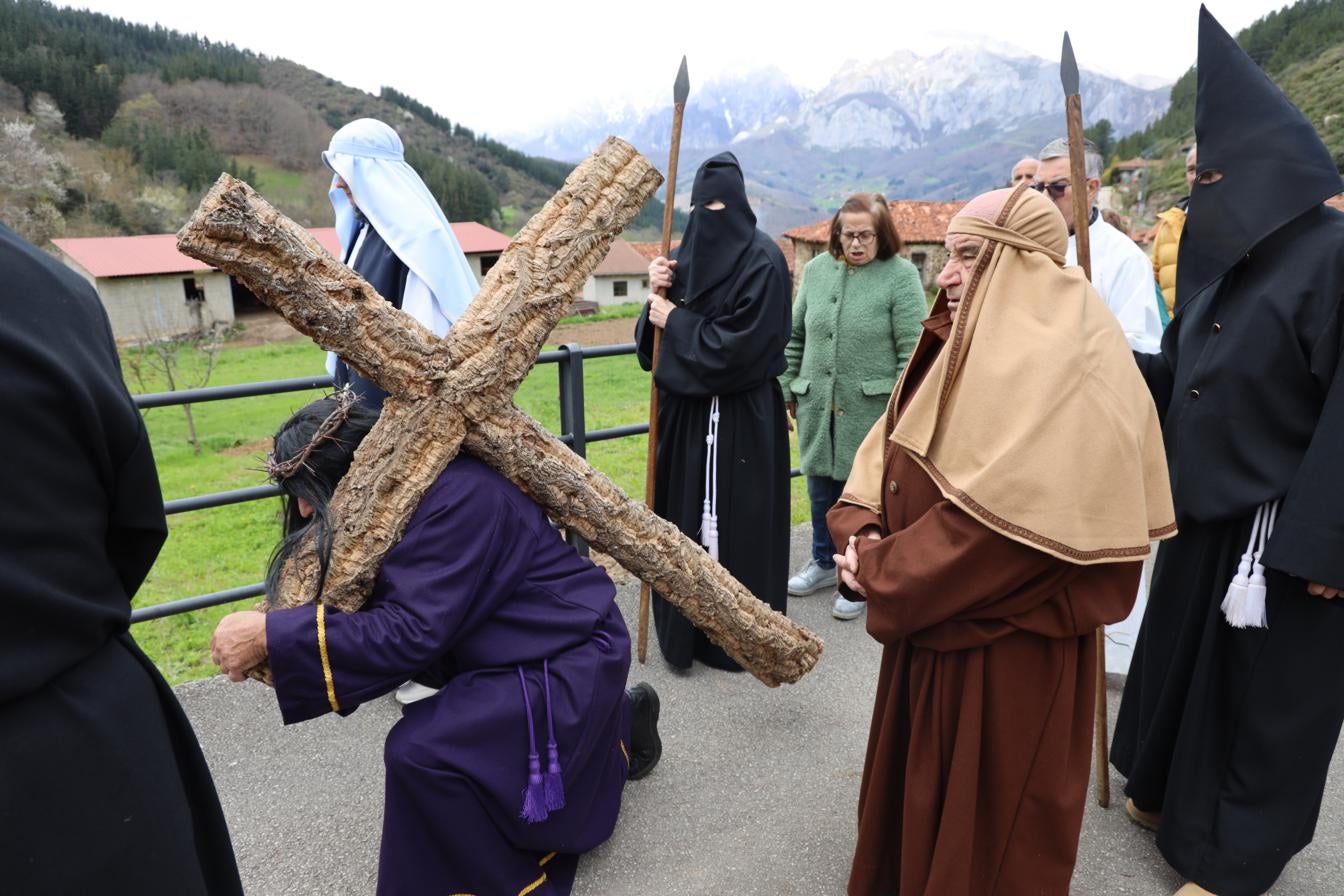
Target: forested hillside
(109, 127)
(1299, 47)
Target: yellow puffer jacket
(1170, 223)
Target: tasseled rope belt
(709, 515)
(1244, 605)
(545, 794)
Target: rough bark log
(442, 391)
(769, 644)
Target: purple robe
(482, 589)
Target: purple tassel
(534, 794)
(555, 784)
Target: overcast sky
(510, 66)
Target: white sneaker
(843, 608)
(811, 578)
(412, 691)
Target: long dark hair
(314, 480)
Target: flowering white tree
(30, 183)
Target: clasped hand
(847, 564)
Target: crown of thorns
(282, 470)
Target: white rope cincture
(709, 515)
(1244, 604)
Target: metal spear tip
(682, 88)
(1068, 68)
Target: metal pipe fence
(573, 432)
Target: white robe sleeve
(418, 302)
(1123, 277)
(1133, 299)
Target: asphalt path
(755, 794)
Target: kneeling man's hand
(239, 643)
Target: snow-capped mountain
(720, 113)
(906, 101)
(943, 126)
(902, 102)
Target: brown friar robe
(980, 746)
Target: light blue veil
(369, 156)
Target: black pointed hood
(714, 240)
(1274, 165)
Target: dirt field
(260, 327)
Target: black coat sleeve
(1308, 539)
(1159, 369)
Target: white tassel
(1234, 603)
(709, 515)
(1245, 605)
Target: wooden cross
(445, 393)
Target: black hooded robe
(103, 787)
(1228, 732)
(725, 339)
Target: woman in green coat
(855, 323)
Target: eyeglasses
(863, 237)
(1057, 188)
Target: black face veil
(1273, 163)
(714, 241)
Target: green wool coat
(854, 329)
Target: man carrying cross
(446, 395)
(499, 781)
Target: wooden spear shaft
(679, 92)
(1082, 212)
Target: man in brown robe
(996, 515)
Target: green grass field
(210, 550)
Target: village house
(152, 291)
(921, 224)
(623, 276)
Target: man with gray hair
(1121, 273)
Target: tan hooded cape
(1034, 418)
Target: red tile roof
(917, 221)
(623, 258)
(477, 238)
(138, 256)
(651, 250)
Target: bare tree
(179, 360)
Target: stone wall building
(152, 291)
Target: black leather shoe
(646, 747)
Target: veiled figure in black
(725, 324)
(103, 788)
(1231, 713)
